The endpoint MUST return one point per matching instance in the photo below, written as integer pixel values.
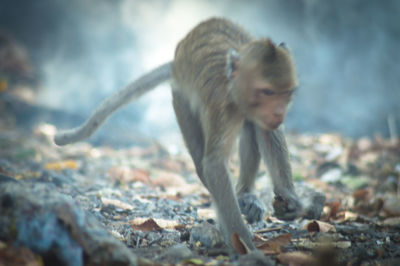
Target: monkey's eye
(268, 92)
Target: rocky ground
(143, 205)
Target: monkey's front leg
(250, 157)
(272, 145)
(229, 217)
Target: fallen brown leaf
(273, 245)
(238, 244)
(175, 184)
(350, 216)
(168, 179)
(144, 152)
(318, 226)
(153, 224)
(125, 174)
(257, 238)
(170, 165)
(116, 203)
(361, 194)
(270, 248)
(334, 209)
(206, 213)
(147, 226)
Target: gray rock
(255, 258)
(51, 225)
(208, 235)
(313, 201)
(176, 253)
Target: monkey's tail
(133, 91)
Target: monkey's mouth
(274, 125)
(271, 124)
(267, 125)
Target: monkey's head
(262, 80)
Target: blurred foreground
(150, 200)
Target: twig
(266, 230)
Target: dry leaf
(206, 213)
(346, 216)
(167, 179)
(334, 209)
(169, 165)
(147, 226)
(342, 244)
(273, 219)
(58, 166)
(361, 194)
(125, 174)
(168, 224)
(296, 259)
(136, 152)
(259, 238)
(238, 244)
(282, 239)
(177, 197)
(350, 216)
(152, 224)
(270, 248)
(273, 246)
(116, 203)
(175, 184)
(318, 226)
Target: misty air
(199, 132)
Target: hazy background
(347, 55)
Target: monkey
(224, 84)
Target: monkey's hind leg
(191, 130)
(250, 158)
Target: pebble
(208, 235)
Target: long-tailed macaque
(224, 83)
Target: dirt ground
(151, 201)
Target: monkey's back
(200, 59)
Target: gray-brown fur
(220, 108)
(216, 76)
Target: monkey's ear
(232, 57)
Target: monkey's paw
(251, 207)
(287, 206)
